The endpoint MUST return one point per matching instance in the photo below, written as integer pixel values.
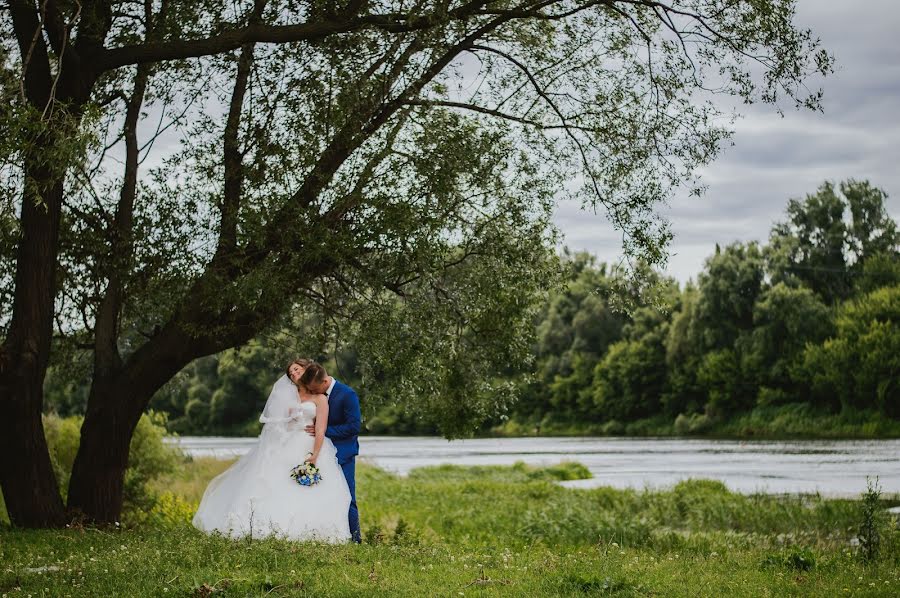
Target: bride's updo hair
(314, 374)
(301, 361)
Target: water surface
(831, 467)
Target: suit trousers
(350, 473)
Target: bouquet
(306, 474)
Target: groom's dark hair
(314, 374)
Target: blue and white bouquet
(306, 474)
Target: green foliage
(860, 365)
(759, 331)
(631, 378)
(879, 270)
(149, 458)
(721, 375)
(167, 510)
(873, 524)
(729, 286)
(66, 387)
(693, 424)
(63, 437)
(684, 393)
(819, 247)
(394, 420)
(752, 349)
(804, 420)
(245, 377)
(785, 319)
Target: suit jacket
(344, 421)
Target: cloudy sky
(774, 158)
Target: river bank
(785, 422)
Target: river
(830, 467)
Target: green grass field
(486, 531)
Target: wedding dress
(257, 496)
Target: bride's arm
(321, 424)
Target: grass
(478, 531)
(782, 422)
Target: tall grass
(491, 531)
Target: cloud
(776, 158)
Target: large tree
(830, 236)
(392, 164)
(730, 284)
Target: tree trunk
(98, 475)
(114, 409)
(26, 475)
(29, 485)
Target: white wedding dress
(257, 496)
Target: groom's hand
(311, 430)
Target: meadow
(478, 531)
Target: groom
(344, 422)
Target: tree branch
(543, 93)
(232, 155)
(277, 34)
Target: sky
(775, 159)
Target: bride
(257, 497)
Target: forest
(803, 327)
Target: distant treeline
(810, 319)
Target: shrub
(772, 396)
(613, 428)
(859, 365)
(873, 521)
(197, 413)
(695, 423)
(168, 510)
(63, 437)
(148, 458)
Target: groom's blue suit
(344, 423)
